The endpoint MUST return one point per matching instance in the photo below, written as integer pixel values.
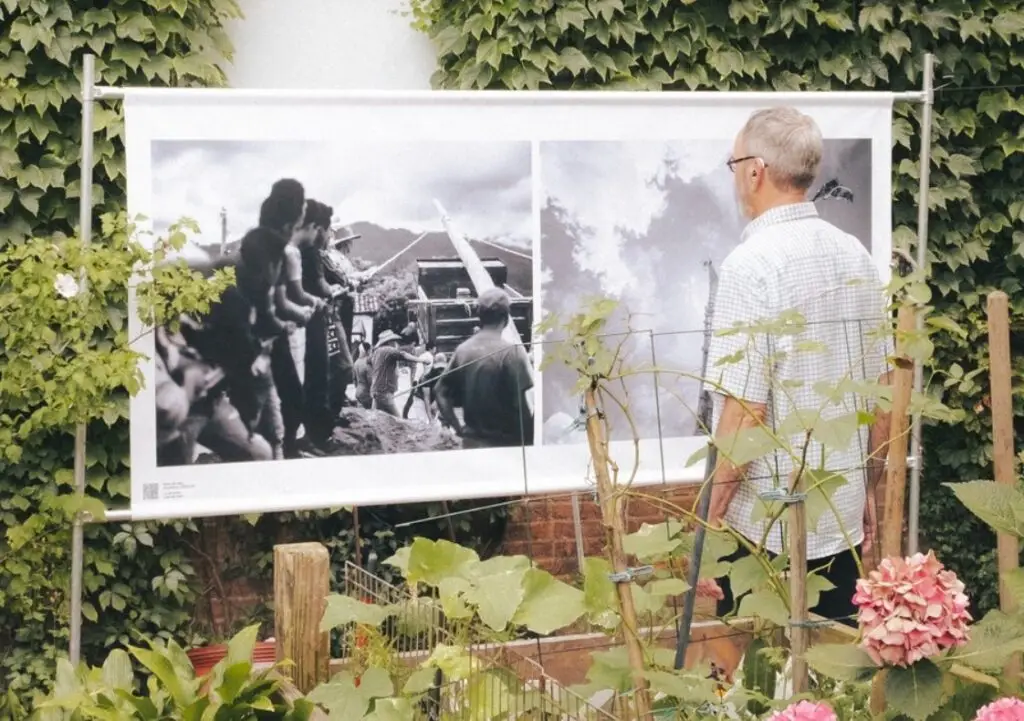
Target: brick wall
(543, 528)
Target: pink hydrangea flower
(805, 711)
(1005, 709)
(910, 609)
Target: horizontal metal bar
(111, 515)
(518, 97)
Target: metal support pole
(85, 235)
(924, 171)
(693, 575)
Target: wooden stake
(612, 513)
(302, 573)
(1004, 462)
(899, 438)
(798, 631)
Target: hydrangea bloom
(805, 711)
(1005, 709)
(910, 609)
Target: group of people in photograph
(268, 372)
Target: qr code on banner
(150, 491)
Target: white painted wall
(327, 44)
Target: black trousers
(289, 389)
(835, 604)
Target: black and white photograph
(383, 300)
(647, 223)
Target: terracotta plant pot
(205, 658)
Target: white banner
(550, 196)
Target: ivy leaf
(841, 661)
(1008, 25)
(915, 691)
(606, 9)
(877, 16)
(961, 165)
(895, 43)
(572, 15)
(574, 61)
(727, 61)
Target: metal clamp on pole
(631, 574)
(781, 495)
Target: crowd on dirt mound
(269, 372)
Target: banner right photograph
(647, 224)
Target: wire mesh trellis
(498, 682)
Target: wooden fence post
(612, 514)
(1003, 457)
(302, 573)
(899, 437)
(798, 630)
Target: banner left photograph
(355, 266)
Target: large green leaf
(183, 691)
(841, 661)
(432, 561)
(994, 639)
(599, 597)
(999, 505)
(548, 604)
(242, 644)
(342, 610)
(915, 691)
(653, 540)
(497, 596)
(341, 697)
(117, 670)
(764, 604)
(821, 486)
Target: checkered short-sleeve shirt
(792, 260)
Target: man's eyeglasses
(733, 162)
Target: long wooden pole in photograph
(896, 464)
(1003, 457)
(612, 516)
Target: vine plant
(504, 595)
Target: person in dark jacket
(328, 357)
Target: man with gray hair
(791, 261)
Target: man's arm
(446, 395)
(742, 364)
(736, 417)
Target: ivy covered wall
(976, 234)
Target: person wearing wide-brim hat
(384, 369)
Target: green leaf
(117, 670)
(915, 691)
(392, 709)
(160, 665)
(1008, 25)
(895, 44)
(548, 604)
(841, 661)
(431, 561)
(420, 680)
(599, 597)
(340, 697)
(574, 61)
(1000, 506)
(836, 434)
(877, 16)
(497, 596)
(653, 541)
(764, 604)
(994, 640)
(342, 610)
(571, 15)
(376, 683)
(242, 644)
(816, 585)
(747, 574)
(821, 486)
